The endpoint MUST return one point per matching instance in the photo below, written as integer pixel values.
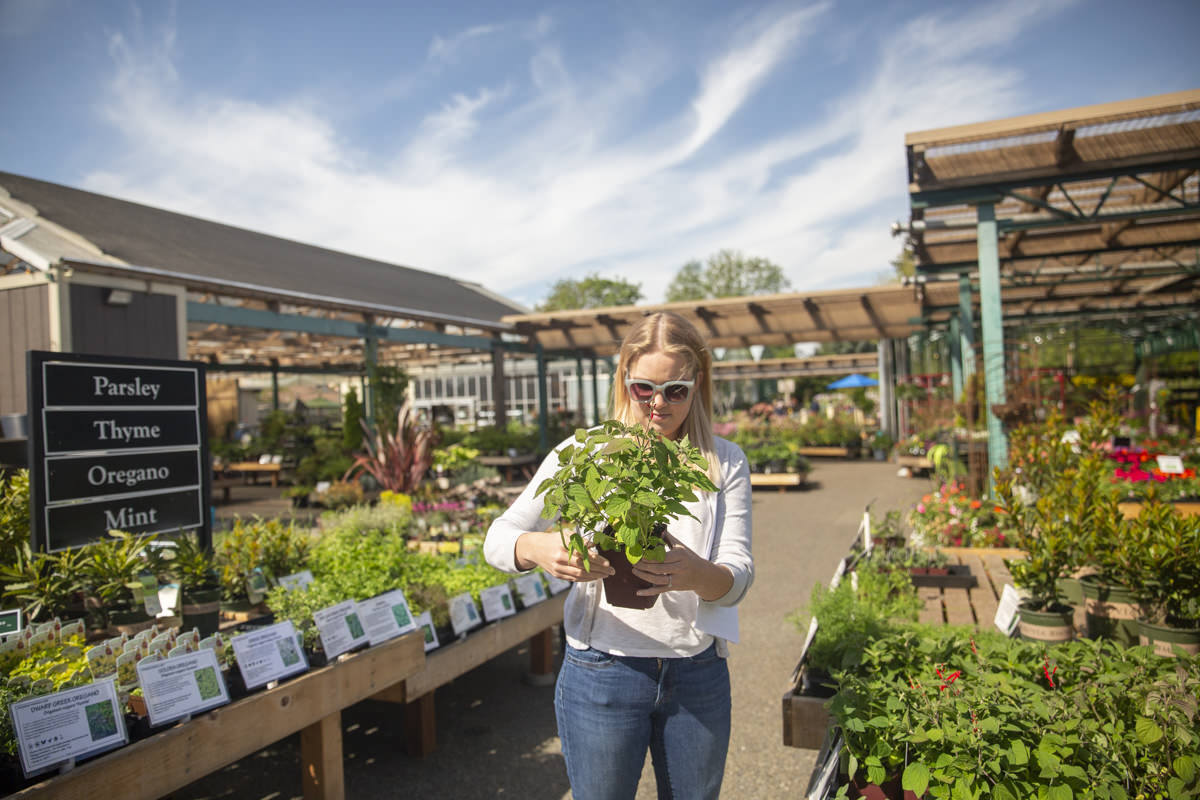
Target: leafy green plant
(1157, 556)
(44, 585)
(112, 567)
(397, 460)
(454, 457)
(280, 548)
(299, 605)
(623, 484)
(341, 494)
(14, 515)
(193, 565)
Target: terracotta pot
(621, 588)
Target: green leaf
(916, 778)
(876, 774)
(1018, 753)
(852, 766)
(1001, 791)
(617, 506)
(1174, 787)
(1147, 730)
(1185, 768)
(1059, 792)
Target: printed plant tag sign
(71, 724)
(463, 614)
(341, 628)
(497, 602)
(386, 616)
(181, 685)
(299, 580)
(425, 623)
(530, 588)
(256, 586)
(557, 585)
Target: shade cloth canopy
(854, 381)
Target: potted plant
(113, 571)
(199, 585)
(299, 494)
(620, 485)
(1049, 533)
(1157, 556)
(882, 444)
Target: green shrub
(280, 549)
(14, 514)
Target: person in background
(657, 679)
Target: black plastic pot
(621, 588)
(201, 609)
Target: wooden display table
(311, 703)
(534, 624)
(915, 462)
(825, 452)
(252, 469)
(523, 465)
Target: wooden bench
(825, 452)
(782, 480)
(252, 469)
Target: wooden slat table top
(975, 606)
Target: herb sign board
(116, 443)
(269, 654)
(341, 628)
(74, 723)
(386, 616)
(182, 685)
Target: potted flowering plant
(620, 485)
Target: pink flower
(920, 508)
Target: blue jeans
(611, 709)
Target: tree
(904, 265)
(592, 291)
(729, 273)
(352, 414)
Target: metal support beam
(370, 362)
(966, 327)
(954, 342)
(274, 384)
(887, 389)
(543, 438)
(499, 401)
(579, 388)
(991, 319)
(595, 392)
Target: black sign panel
(75, 524)
(113, 429)
(88, 384)
(78, 477)
(116, 443)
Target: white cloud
(552, 174)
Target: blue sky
(514, 144)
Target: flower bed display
(950, 517)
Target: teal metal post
(579, 387)
(595, 392)
(370, 355)
(274, 384)
(991, 320)
(966, 327)
(543, 438)
(954, 343)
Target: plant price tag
(425, 623)
(269, 654)
(530, 588)
(1006, 613)
(463, 613)
(74, 723)
(557, 584)
(299, 580)
(256, 586)
(340, 628)
(181, 685)
(386, 616)
(1171, 465)
(497, 602)
(10, 622)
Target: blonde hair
(667, 332)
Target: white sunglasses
(643, 391)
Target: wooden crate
(805, 718)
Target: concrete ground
(496, 734)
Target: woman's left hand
(683, 570)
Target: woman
(655, 679)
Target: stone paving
(496, 735)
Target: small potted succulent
(619, 485)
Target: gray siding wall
(144, 328)
(24, 325)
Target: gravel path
(497, 737)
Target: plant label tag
(256, 586)
(1171, 465)
(168, 599)
(102, 660)
(181, 685)
(497, 602)
(298, 580)
(74, 628)
(530, 588)
(269, 654)
(865, 528)
(386, 616)
(425, 623)
(149, 595)
(178, 650)
(1006, 612)
(463, 613)
(10, 622)
(322, 487)
(837, 574)
(341, 628)
(70, 724)
(557, 584)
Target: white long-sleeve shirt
(680, 623)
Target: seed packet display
(269, 654)
(530, 588)
(497, 602)
(386, 616)
(341, 628)
(181, 685)
(463, 614)
(425, 623)
(74, 723)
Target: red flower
(1049, 673)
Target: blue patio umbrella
(854, 381)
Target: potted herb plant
(113, 573)
(199, 585)
(621, 485)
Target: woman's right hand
(545, 549)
